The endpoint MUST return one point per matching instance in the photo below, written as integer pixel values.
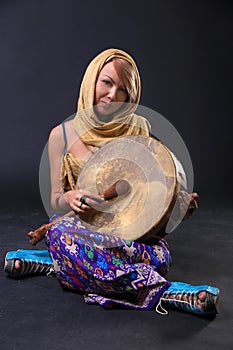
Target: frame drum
(154, 175)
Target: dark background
(184, 51)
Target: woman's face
(109, 88)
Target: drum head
(149, 168)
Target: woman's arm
(64, 202)
(55, 151)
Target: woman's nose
(112, 93)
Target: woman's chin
(105, 112)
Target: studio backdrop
(184, 54)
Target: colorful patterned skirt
(107, 270)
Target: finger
(81, 207)
(192, 207)
(195, 195)
(186, 197)
(194, 204)
(93, 196)
(84, 207)
(190, 200)
(92, 203)
(75, 206)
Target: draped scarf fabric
(89, 128)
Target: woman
(107, 270)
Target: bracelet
(57, 201)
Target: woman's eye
(123, 90)
(107, 82)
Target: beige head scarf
(90, 129)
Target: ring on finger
(83, 199)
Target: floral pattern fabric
(107, 270)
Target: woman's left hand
(188, 204)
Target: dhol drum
(155, 176)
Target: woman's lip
(105, 102)
(106, 105)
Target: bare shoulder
(71, 134)
(55, 141)
(56, 136)
(70, 130)
(69, 124)
(56, 132)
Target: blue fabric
(39, 256)
(187, 304)
(65, 139)
(180, 287)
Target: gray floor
(35, 313)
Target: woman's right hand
(81, 201)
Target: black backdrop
(184, 51)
